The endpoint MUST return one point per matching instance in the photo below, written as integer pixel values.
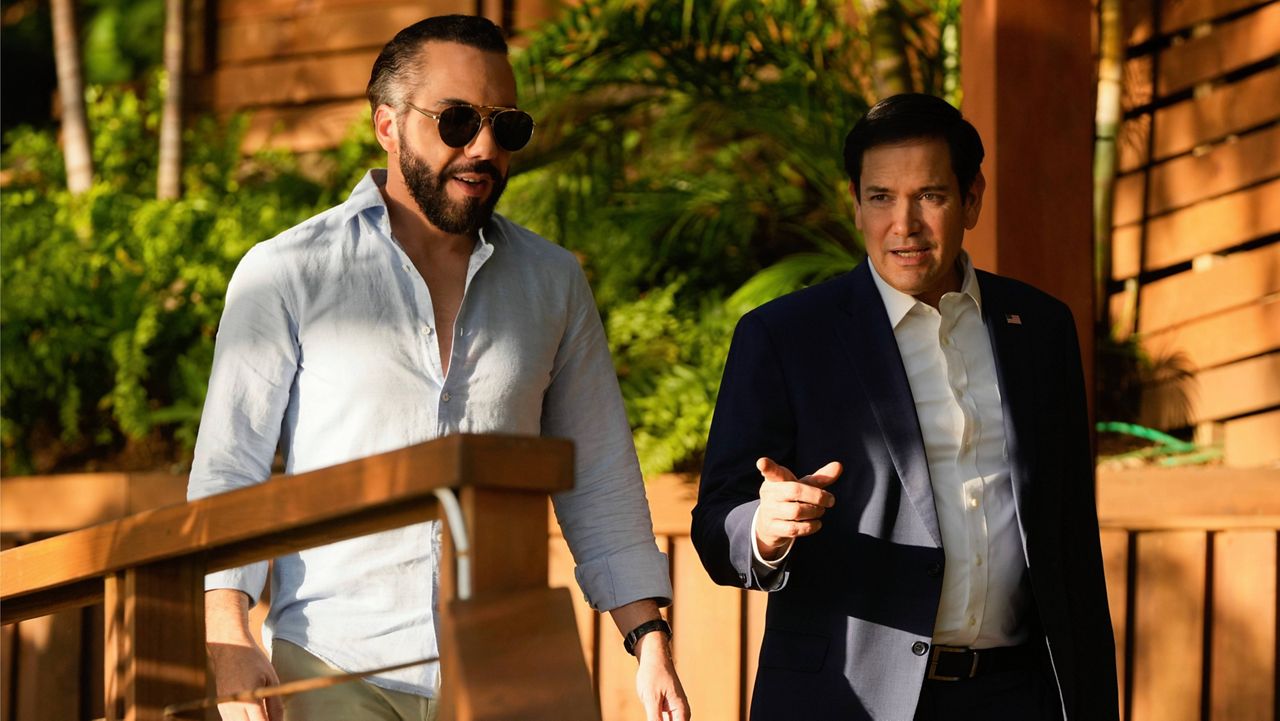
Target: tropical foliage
(689, 153)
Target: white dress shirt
(952, 372)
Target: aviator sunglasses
(460, 124)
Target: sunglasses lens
(458, 125)
(512, 129)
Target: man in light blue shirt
(409, 312)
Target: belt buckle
(933, 674)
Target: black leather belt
(952, 663)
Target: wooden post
(155, 652)
(512, 650)
(1027, 78)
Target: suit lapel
(868, 339)
(1007, 327)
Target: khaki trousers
(345, 702)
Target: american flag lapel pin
(1013, 319)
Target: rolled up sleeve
(605, 517)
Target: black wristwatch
(632, 638)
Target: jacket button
(919, 648)
(935, 569)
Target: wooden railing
(148, 569)
(1191, 574)
(1191, 571)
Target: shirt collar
(899, 304)
(366, 197)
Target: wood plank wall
(1195, 257)
(300, 67)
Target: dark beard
(428, 190)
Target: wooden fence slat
(1227, 109)
(48, 667)
(1237, 280)
(1115, 563)
(1138, 23)
(1243, 674)
(1253, 441)
(303, 129)
(1216, 394)
(230, 10)
(708, 632)
(616, 679)
(1169, 621)
(757, 602)
(33, 504)
(1227, 167)
(1222, 338)
(1184, 13)
(1127, 198)
(1195, 497)
(337, 29)
(292, 82)
(1181, 235)
(560, 573)
(1235, 44)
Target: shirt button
(977, 561)
(946, 342)
(973, 621)
(426, 330)
(973, 502)
(919, 648)
(405, 267)
(445, 396)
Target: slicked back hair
(915, 116)
(396, 67)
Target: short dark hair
(394, 69)
(911, 116)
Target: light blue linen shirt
(328, 349)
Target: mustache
(483, 167)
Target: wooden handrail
(148, 570)
(283, 515)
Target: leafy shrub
(111, 299)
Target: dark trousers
(1021, 694)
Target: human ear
(386, 128)
(973, 200)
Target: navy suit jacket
(815, 377)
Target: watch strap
(629, 642)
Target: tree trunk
(169, 180)
(890, 72)
(75, 131)
(1107, 126)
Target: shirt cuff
(629, 575)
(763, 567)
(250, 579)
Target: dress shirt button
(935, 569)
(973, 621)
(946, 342)
(426, 330)
(919, 648)
(405, 267)
(973, 501)
(445, 396)
(977, 561)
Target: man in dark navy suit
(941, 560)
